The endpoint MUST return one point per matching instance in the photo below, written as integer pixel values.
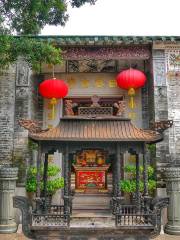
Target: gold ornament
(85, 83)
(50, 115)
(131, 93)
(53, 102)
(71, 82)
(112, 83)
(49, 106)
(99, 83)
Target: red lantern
(53, 89)
(131, 79)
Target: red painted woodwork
(88, 178)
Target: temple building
(117, 146)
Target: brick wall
(7, 99)
(173, 93)
(167, 101)
(161, 103)
(18, 99)
(27, 105)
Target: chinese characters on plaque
(87, 83)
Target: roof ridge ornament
(161, 126)
(32, 126)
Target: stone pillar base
(172, 175)
(8, 176)
(171, 229)
(10, 228)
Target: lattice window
(95, 111)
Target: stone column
(66, 181)
(118, 172)
(8, 176)
(138, 200)
(172, 175)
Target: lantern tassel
(53, 103)
(131, 93)
(131, 102)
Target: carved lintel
(106, 53)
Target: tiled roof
(110, 129)
(106, 40)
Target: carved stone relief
(22, 74)
(160, 102)
(22, 92)
(173, 60)
(91, 65)
(107, 53)
(159, 67)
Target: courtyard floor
(18, 236)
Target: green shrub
(53, 170)
(129, 185)
(53, 183)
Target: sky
(122, 17)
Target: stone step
(91, 201)
(75, 222)
(103, 213)
(91, 198)
(91, 207)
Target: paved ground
(17, 236)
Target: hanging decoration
(130, 80)
(53, 89)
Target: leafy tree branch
(30, 16)
(34, 51)
(27, 18)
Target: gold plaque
(99, 83)
(85, 83)
(112, 83)
(71, 82)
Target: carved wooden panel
(95, 111)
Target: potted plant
(128, 185)
(54, 181)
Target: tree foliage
(34, 51)
(30, 16)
